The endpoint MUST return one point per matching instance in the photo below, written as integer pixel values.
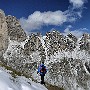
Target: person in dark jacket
(42, 71)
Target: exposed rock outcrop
(14, 29)
(85, 42)
(3, 33)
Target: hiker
(42, 71)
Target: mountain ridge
(66, 57)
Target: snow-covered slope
(7, 82)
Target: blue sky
(43, 15)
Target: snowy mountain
(7, 82)
(66, 57)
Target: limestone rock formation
(85, 42)
(14, 29)
(34, 44)
(3, 33)
(56, 41)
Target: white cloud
(77, 3)
(78, 32)
(67, 30)
(38, 19)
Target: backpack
(43, 69)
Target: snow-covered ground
(7, 82)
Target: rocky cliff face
(3, 33)
(55, 41)
(68, 60)
(34, 44)
(85, 42)
(14, 29)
